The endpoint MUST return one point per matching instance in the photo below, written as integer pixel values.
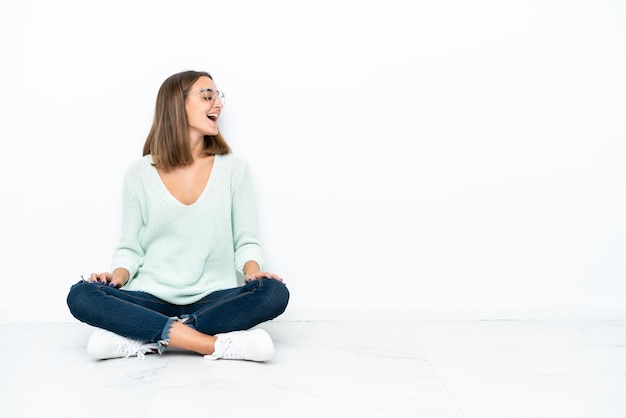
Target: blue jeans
(141, 316)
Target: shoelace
(131, 348)
(231, 350)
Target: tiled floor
(472, 369)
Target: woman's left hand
(262, 275)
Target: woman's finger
(263, 275)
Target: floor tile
(464, 369)
(278, 395)
(527, 360)
(517, 332)
(540, 396)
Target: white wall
(446, 158)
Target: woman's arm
(244, 223)
(128, 254)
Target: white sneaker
(104, 344)
(255, 345)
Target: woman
(188, 226)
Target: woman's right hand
(118, 278)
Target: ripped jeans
(141, 316)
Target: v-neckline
(204, 191)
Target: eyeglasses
(210, 95)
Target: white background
(438, 159)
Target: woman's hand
(262, 275)
(251, 272)
(118, 278)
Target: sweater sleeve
(129, 253)
(244, 222)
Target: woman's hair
(168, 140)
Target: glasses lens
(210, 96)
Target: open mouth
(212, 116)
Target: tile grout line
(404, 323)
(156, 389)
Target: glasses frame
(210, 95)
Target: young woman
(188, 226)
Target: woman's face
(203, 106)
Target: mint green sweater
(181, 253)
